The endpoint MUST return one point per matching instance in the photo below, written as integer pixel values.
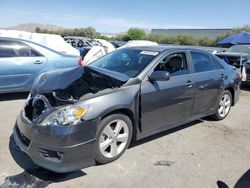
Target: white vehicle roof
(139, 43)
(55, 42)
(94, 53)
(110, 47)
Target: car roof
(76, 37)
(161, 48)
(23, 40)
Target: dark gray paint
(152, 106)
(165, 102)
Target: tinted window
(16, 49)
(127, 61)
(217, 63)
(202, 62)
(6, 50)
(175, 64)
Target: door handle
(189, 84)
(38, 62)
(222, 76)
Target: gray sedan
(131, 93)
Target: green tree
(187, 40)
(88, 32)
(85, 32)
(135, 34)
(38, 30)
(205, 41)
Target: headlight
(68, 115)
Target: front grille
(29, 110)
(22, 138)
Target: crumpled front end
(54, 127)
(57, 148)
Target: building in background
(210, 33)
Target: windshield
(240, 48)
(127, 61)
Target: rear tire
(224, 106)
(112, 138)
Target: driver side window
(175, 64)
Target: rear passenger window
(217, 63)
(202, 62)
(25, 51)
(16, 49)
(6, 50)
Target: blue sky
(117, 16)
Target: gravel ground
(204, 154)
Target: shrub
(85, 32)
(135, 34)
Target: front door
(167, 102)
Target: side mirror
(159, 76)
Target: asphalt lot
(204, 153)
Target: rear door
(166, 102)
(209, 78)
(19, 65)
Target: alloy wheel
(114, 138)
(225, 105)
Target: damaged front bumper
(57, 148)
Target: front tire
(224, 106)
(113, 138)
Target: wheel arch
(127, 112)
(231, 90)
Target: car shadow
(243, 182)
(13, 96)
(33, 175)
(164, 133)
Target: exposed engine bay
(88, 84)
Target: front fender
(124, 98)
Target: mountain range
(31, 27)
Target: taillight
(80, 63)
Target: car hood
(62, 78)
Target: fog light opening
(51, 155)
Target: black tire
(218, 116)
(100, 158)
